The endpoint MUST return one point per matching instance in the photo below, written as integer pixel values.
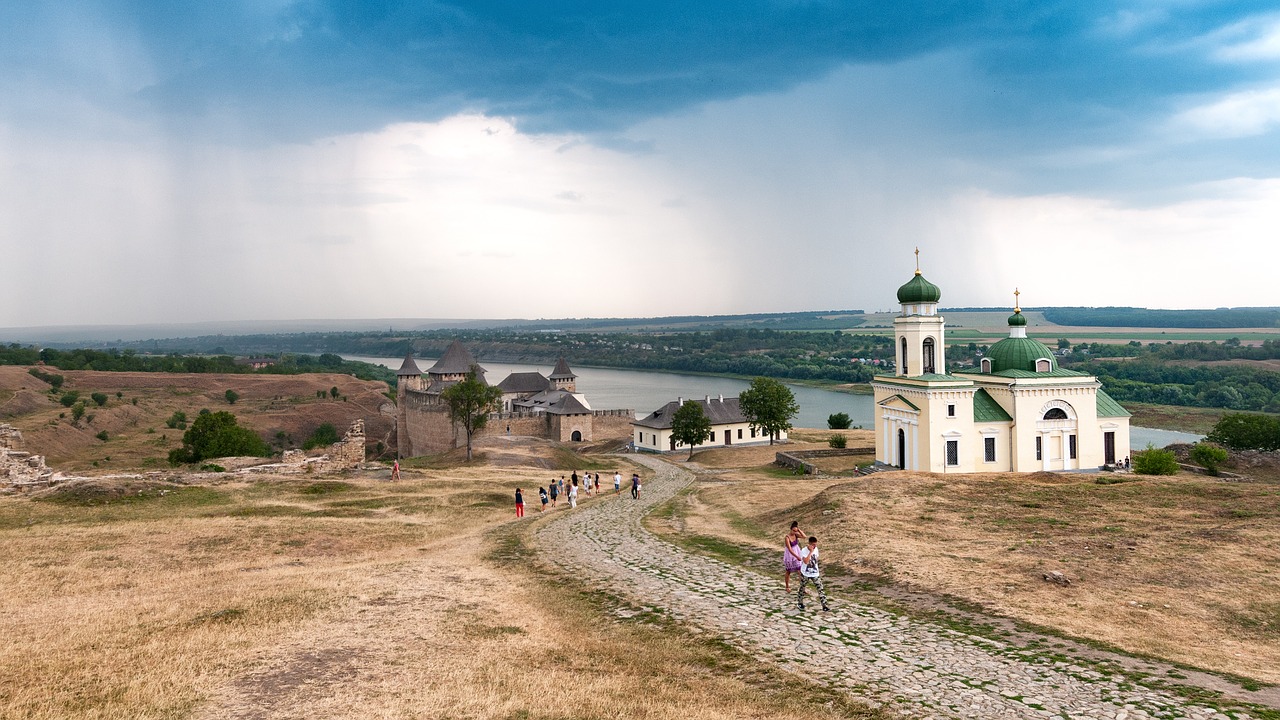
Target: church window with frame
(1044, 365)
(1039, 448)
(953, 452)
(905, 371)
(928, 364)
(1071, 446)
(986, 365)
(989, 448)
(951, 411)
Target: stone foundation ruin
(18, 467)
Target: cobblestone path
(919, 669)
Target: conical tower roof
(408, 367)
(562, 371)
(456, 360)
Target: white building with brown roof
(728, 426)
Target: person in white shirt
(617, 482)
(810, 573)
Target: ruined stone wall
(18, 468)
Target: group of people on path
(590, 484)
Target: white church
(1017, 412)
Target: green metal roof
(986, 409)
(1108, 407)
(1019, 354)
(919, 290)
(1054, 373)
(1017, 319)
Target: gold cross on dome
(917, 259)
(1016, 293)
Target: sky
(269, 160)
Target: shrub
(1208, 456)
(323, 436)
(119, 395)
(77, 412)
(839, 421)
(215, 435)
(1155, 462)
(1247, 431)
(69, 398)
(232, 396)
(100, 398)
(333, 392)
(837, 441)
(51, 378)
(177, 420)
(212, 467)
(102, 436)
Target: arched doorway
(902, 448)
(576, 436)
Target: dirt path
(925, 670)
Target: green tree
(1063, 343)
(690, 425)
(1246, 431)
(177, 420)
(324, 435)
(769, 406)
(1208, 456)
(333, 392)
(232, 396)
(215, 435)
(837, 421)
(77, 412)
(69, 398)
(99, 398)
(1153, 461)
(470, 402)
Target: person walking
(519, 503)
(555, 493)
(395, 471)
(573, 494)
(617, 482)
(542, 495)
(809, 573)
(791, 554)
(562, 485)
(635, 486)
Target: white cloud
(1239, 114)
(1065, 250)
(1252, 40)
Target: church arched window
(1056, 414)
(928, 363)
(903, 364)
(986, 365)
(1044, 365)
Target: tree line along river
(644, 392)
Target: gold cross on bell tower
(917, 259)
(1016, 293)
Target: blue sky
(165, 162)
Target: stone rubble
(918, 669)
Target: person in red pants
(519, 503)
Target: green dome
(1019, 354)
(919, 290)
(1017, 320)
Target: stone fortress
(532, 405)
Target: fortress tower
(562, 378)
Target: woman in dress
(791, 553)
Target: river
(644, 392)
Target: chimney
(708, 399)
(721, 397)
(680, 400)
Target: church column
(915, 446)
(1044, 450)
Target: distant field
(987, 326)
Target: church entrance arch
(902, 449)
(576, 436)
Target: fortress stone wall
(424, 427)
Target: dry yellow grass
(348, 598)
(1186, 568)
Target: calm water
(645, 392)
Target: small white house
(728, 426)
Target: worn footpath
(919, 669)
